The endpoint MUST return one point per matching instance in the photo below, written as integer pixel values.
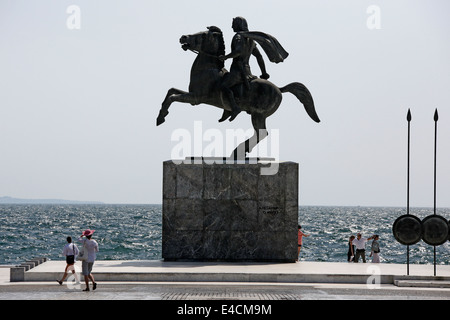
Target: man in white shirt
(360, 246)
(91, 247)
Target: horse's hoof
(234, 115)
(161, 117)
(160, 120)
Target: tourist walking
(70, 251)
(300, 240)
(92, 248)
(360, 246)
(351, 249)
(375, 249)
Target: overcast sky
(78, 106)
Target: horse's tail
(302, 93)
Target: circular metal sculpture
(435, 230)
(407, 229)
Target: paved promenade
(159, 280)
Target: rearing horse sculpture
(261, 100)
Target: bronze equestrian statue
(237, 90)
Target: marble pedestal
(229, 212)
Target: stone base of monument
(230, 211)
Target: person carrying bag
(70, 251)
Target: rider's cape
(275, 52)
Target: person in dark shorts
(70, 251)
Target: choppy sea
(133, 232)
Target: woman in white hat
(92, 247)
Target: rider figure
(241, 50)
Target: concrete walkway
(159, 280)
(300, 272)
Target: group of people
(357, 248)
(71, 253)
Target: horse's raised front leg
(175, 95)
(164, 111)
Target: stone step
(422, 283)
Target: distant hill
(10, 200)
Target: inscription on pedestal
(229, 212)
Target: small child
(300, 237)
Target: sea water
(133, 232)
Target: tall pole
(408, 118)
(436, 118)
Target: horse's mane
(221, 50)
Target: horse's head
(209, 42)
